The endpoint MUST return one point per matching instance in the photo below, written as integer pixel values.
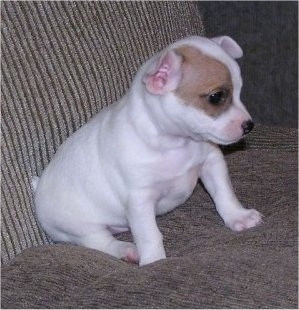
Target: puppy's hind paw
(130, 253)
(245, 219)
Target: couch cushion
(207, 265)
(61, 63)
(228, 275)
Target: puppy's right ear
(166, 75)
(229, 45)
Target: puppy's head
(199, 83)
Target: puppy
(142, 156)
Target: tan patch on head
(203, 76)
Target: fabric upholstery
(207, 265)
(61, 63)
(268, 34)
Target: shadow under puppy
(142, 156)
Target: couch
(61, 63)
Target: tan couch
(61, 63)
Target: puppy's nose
(247, 126)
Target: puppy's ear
(165, 77)
(229, 45)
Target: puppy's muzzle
(247, 126)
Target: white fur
(138, 158)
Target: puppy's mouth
(208, 137)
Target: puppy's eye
(217, 97)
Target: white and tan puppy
(142, 156)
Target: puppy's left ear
(165, 77)
(229, 45)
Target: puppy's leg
(214, 175)
(105, 242)
(148, 239)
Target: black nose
(247, 126)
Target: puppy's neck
(145, 115)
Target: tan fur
(203, 75)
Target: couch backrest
(61, 63)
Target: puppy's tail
(34, 182)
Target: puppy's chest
(180, 164)
(178, 175)
(175, 191)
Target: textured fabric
(207, 265)
(61, 63)
(268, 34)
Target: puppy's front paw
(151, 258)
(244, 219)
